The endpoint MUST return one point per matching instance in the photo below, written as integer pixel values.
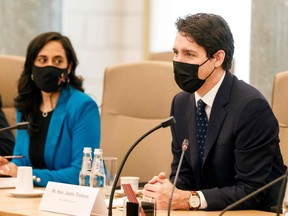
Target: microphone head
(168, 122)
(23, 125)
(185, 144)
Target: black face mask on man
(49, 78)
(186, 76)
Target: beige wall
(21, 20)
(269, 43)
(104, 33)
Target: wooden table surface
(16, 206)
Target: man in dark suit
(233, 142)
(6, 138)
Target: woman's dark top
(38, 139)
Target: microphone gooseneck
(165, 123)
(184, 148)
(19, 126)
(283, 177)
(281, 193)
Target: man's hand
(160, 188)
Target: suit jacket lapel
(218, 113)
(191, 119)
(55, 127)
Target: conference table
(28, 206)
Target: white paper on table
(7, 182)
(117, 202)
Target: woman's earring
(32, 77)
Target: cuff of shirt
(203, 200)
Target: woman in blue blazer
(63, 119)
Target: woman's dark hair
(29, 96)
(211, 32)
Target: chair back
(280, 108)
(136, 98)
(162, 56)
(11, 68)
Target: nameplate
(73, 200)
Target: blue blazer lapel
(55, 127)
(218, 113)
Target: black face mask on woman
(186, 76)
(49, 78)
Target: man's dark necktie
(201, 127)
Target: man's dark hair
(211, 32)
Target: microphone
(165, 123)
(19, 126)
(282, 195)
(184, 148)
(283, 177)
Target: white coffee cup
(132, 180)
(24, 181)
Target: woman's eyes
(42, 60)
(58, 61)
(55, 61)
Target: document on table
(117, 202)
(7, 182)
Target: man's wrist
(180, 199)
(194, 201)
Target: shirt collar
(210, 96)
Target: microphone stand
(283, 177)
(184, 148)
(164, 124)
(282, 193)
